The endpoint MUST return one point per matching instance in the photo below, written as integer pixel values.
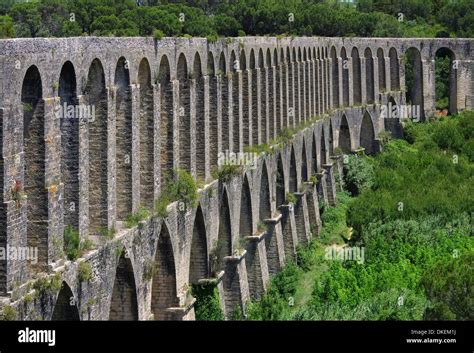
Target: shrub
(207, 305)
(158, 34)
(133, 219)
(84, 271)
(71, 243)
(358, 174)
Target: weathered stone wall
(179, 103)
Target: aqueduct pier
(154, 106)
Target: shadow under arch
(65, 308)
(124, 304)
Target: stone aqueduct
(178, 103)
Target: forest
(212, 19)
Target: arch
(263, 99)
(163, 291)
(304, 164)
(200, 118)
(198, 264)
(124, 304)
(345, 78)
(278, 98)
(369, 76)
(96, 96)
(213, 124)
(224, 103)
(34, 151)
(413, 80)
(291, 92)
(307, 86)
(323, 151)
(123, 114)
(314, 156)
(344, 135)
(254, 98)
(65, 308)
(331, 139)
(392, 121)
(270, 96)
(235, 69)
(224, 242)
(69, 126)
(245, 100)
(381, 73)
(445, 80)
(166, 120)
(394, 70)
(147, 128)
(300, 84)
(284, 92)
(184, 108)
(265, 208)
(293, 185)
(356, 76)
(367, 134)
(335, 78)
(280, 183)
(246, 227)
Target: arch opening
(34, 150)
(198, 81)
(184, 108)
(198, 265)
(414, 80)
(394, 70)
(381, 73)
(224, 86)
(65, 308)
(344, 136)
(369, 76)
(356, 76)
(213, 124)
(147, 129)
(367, 135)
(445, 82)
(124, 304)
(345, 78)
(166, 121)
(335, 78)
(164, 292)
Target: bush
(358, 174)
(158, 34)
(71, 243)
(207, 305)
(84, 271)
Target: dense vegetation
(364, 18)
(412, 217)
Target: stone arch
(124, 304)
(200, 118)
(263, 98)
(413, 80)
(163, 291)
(369, 76)
(300, 86)
(184, 109)
(284, 94)
(245, 99)
(344, 135)
(245, 228)
(166, 120)
(356, 76)
(335, 78)
(265, 208)
(254, 98)
(291, 99)
(69, 125)
(307, 85)
(392, 123)
(65, 308)
(123, 116)
(345, 78)
(277, 96)
(304, 163)
(224, 103)
(394, 70)
(331, 139)
(213, 124)
(280, 182)
(446, 82)
(96, 96)
(34, 151)
(235, 69)
(323, 151)
(381, 73)
(270, 95)
(293, 183)
(147, 128)
(198, 264)
(314, 155)
(224, 241)
(367, 134)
